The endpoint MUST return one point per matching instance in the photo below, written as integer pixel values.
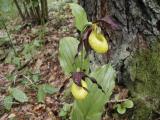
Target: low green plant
(121, 107)
(30, 80)
(65, 111)
(12, 58)
(77, 64)
(15, 94)
(7, 39)
(43, 90)
(30, 49)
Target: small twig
(28, 79)
(14, 82)
(117, 101)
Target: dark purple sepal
(110, 21)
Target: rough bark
(140, 27)
(44, 9)
(139, 20)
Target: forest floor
(31, 75)
(35, 63)
(44, 60)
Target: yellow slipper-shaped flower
(97, 40)
(79, 93)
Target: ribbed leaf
(67, 51)
(80, 16)
(92, 107)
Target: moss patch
(145, 74)
(158, 2)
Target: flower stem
(8, 34)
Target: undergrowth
(145, 72)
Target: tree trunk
(138, 18)
(34, 10)
(44, 9)
(140, 27)
(26, 10)
(19, 9)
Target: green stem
(82, 52)
(8, 34)
(82, 59)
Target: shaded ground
(46, 60)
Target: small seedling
(121, 107)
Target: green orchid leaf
(121, 109)
(80, 16)
(91, 108)
(128, 104)
(67, 51)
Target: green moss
(141, 112)
(145, 74)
